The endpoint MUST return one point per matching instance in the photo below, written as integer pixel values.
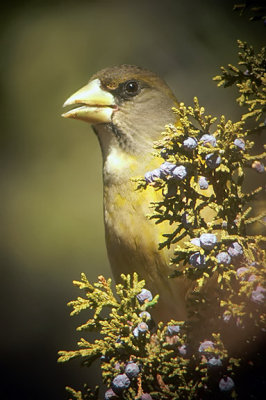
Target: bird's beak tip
(67, 102)
(67, 114)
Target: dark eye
(132, 88)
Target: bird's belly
(132, 239)
(132, 243)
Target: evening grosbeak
(128, 108)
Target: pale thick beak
(95, 105)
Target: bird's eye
(132, 88)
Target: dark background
(51, 188)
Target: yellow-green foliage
(250, 78)
(88, 393)
(165, 372)
(225, 197)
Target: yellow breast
(131, 238)
(129, 233)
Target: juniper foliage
(250, 79)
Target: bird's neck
(120, 164)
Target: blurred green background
(51, 187)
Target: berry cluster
(166, 171)
(121, 382)
(131, 370)
(179, 172)
(130, 375)
(207, 241)
(213, 361)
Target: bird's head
(128, 107)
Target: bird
(128, 108)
